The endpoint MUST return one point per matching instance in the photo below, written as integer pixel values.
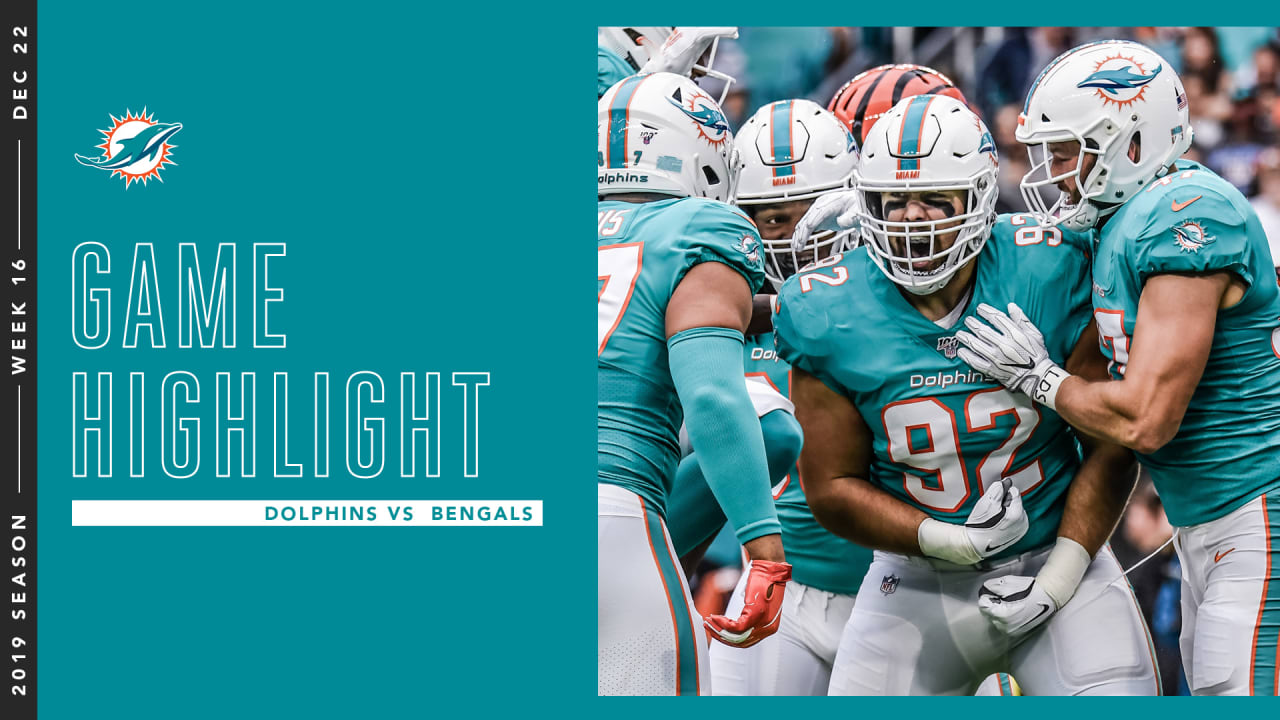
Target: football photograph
(938, 361)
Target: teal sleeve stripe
(706, 367)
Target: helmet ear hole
(1135, 148)
(710, 175)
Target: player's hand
(1011, 351)
(761, 609)
(1015, 605)
(683, 47)
(832, 212)
(997, 520)
(995, 524)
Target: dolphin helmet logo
(135, 148)
(710, 122)
(1120, 80)
(987, 144)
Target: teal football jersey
(941, 432)
(643, 251)
(818, 558)
(1227, 450)
(610, 70)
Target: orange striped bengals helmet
(871, 94)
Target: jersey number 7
(617, 268)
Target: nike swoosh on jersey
(1176, 206)
(1219, 555)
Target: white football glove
(1015, 605)
(1011, 351)
(683, 48)
(995, 524)
(832, 212)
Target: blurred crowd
(1231, 75)
(1232, 80)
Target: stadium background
(1232, 78)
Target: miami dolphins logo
(1191, 236)
(710, 122)
(1115, 80)
(987, 143)
(135, 149)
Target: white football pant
(650, 638)
(916, 630)
(1231, 600)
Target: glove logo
(889, 584)
(135, 148)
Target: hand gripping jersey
(1227, 450)
(643, 251)
(818, 558)
(942, 433)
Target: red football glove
(761, 610)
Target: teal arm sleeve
(706, 367)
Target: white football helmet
(927, 143)
(794, 150)
(1105, 96)
(635, 45)
(660, 133)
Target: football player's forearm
(855, 510)
(765, 547)
(706, 367)
(1118, 412)
(1098, 494)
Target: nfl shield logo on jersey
(889, 583)
(947, 346)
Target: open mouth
(920, 248)
(1065, 205)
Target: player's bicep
(837, 441)
(711, 294)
